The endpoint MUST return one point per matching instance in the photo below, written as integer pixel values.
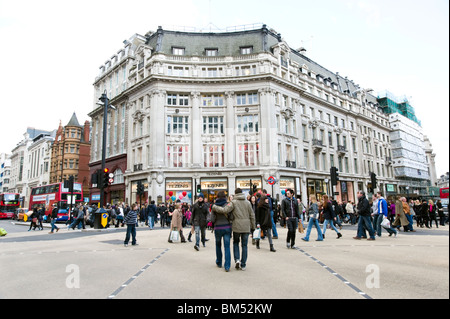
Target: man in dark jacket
(364, 217)
(53, 217)
(151, 214)
(198, 220)
(290, 212)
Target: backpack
(3, 232)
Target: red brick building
(71, 154)
(116, 192)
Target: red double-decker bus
(443, 194)
(56, 194)
(9, 203)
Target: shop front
(245, 183)
(391, 191)
(346, 192)
(179, 189)
(288, 183)
(317, 187)
(212, 186)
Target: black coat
(286, 207)
(363, 206)
(199, 214)
(262, 216)
(328, 212)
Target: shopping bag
(300, 227)
(3, 232)
(175, 235)
(386, 223)
(257, 234)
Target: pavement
(95, 264)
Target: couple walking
(235, 217)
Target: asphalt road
(92, 264)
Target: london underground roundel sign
(272, 180)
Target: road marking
(345, 281)
(140, 272)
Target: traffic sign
(272, 180)
(104, 219)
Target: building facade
(70, 154)
(21, 164)
(5, 172)
(228, 110)
(39, 157)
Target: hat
(201, 195)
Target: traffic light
(334, 175)
(254, 189)
(373, 179)
(140, 188)
(199, 189)
(105, 178)
(68, 183)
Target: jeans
(377, 219)
(237, 237)
(77, 222)
(313, 222)
(364, 222)
(292, 224)
(151, 222)
(53, 225)
(411, 221)
(274, 226)
(226, 235)
(326, 222)
(200, 230)
(131, 230)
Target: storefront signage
(214, 184)
(245, 183)
(390, 188)
(214, 174)
(178, 185)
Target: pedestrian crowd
(237, 219)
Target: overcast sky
(51, 50)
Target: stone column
(268, 128)
(230, 136)
(158, 119)
(196, 127)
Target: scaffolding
(392, 104)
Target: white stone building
(21, 165)
(5, 172)
(39, 158)
(223, 109)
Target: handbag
(175, 235)
(34, 220)
(257, 234)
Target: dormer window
(246, 50)
(211, 52)
(178, 51)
